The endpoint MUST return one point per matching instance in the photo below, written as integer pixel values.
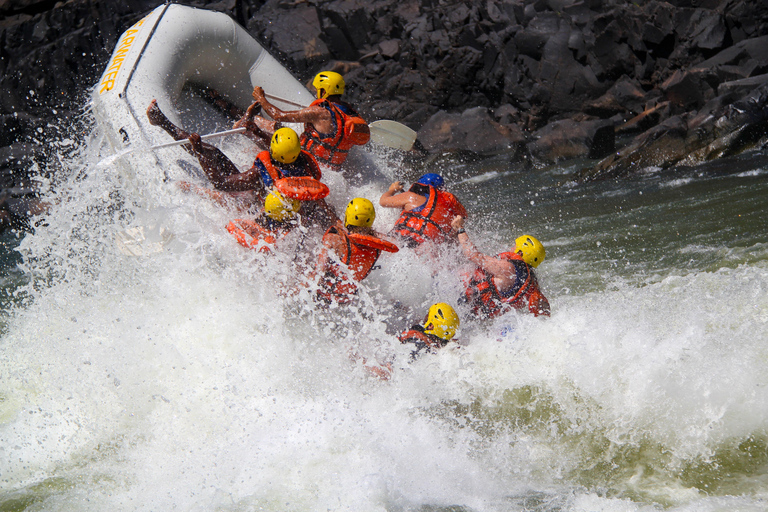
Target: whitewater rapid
(186, 380)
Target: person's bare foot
(158, 118)
(155, 115)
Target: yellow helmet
(279, 207)
(328, 82)
(360, 212)
(533, 251)
(285, 146)
(442, 321)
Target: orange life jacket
(487, 302)
(432, 221)
(302, 188)
(305, 165)
(359, 258)
(417, 335)
(349, 129)
(258, 234)
(421, 340)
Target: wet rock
(625, 96)
(721, 128)
(743, 86)
(473, 130)
(654, 148)
(647, 119)
(531, 40)
(569, 139)
(298, 36)
(688, 89)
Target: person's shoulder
(521, 265)
(410, 194)
(261, 161)
(449, 197)
(344, 106)
(308, 158)
(306, 161)
(304, 158)
(333, 239)
(336, 231)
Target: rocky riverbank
(543, 81)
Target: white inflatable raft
(171, 55)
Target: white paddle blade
(142, 241)
(392, 134)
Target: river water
(184, 379)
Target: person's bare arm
(390, 199)
(257, 128)
(215, 195)
(396, 198)
(248, 180)
(319, 117)
(496, 266)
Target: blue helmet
(432, 179)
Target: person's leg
(215, 164)
(158, 118)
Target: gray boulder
(473, 130)
(720, 129)
(569, 139)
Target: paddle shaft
(225, 132)
(289, 102)
(202, 137)
(389, 133)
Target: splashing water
(187, 379)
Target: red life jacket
(311, 168)
(417, 335)
(253, 234)
(359, 258)
(349, 130)
(487, 302)
(421, 341)
(433, 220)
